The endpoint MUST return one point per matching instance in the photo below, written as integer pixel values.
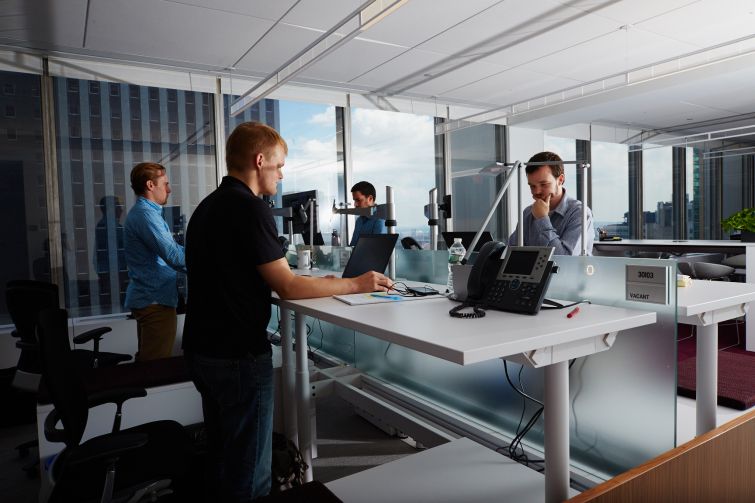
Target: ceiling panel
(354, 58)
(280, 45)
(509, 87)
(420, 20)
(635, 11)
(706, 23)
(321, 15)
(609, 55)
(257, 8)
(452, 80)
(43, 24)
(402, 65)
(175, 31)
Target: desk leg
(750, 316)
(288, 377)
(707, 378)
(556, 432)
(303, 394)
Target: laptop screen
(466, 239)
(372, 253)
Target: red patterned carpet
(736, 367)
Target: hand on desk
(372, 282)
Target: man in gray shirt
(554, 218)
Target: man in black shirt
(233, 261)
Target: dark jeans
(237, 401)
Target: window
(23, 215)
(94, 87)
(94, 199)
(657, 192)
(566, 148)
(396, 149)
(10, 111)
(115, 90)
(610, 187)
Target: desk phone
(522, 280)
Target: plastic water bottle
(455, 253)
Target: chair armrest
(14, 333)
(108, 447)
(116, 396)
(51, 433)
(89, 335)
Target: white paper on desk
(359, 299)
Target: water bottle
(335, 239)
(455, 253)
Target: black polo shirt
(231, 232)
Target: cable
(552, 304)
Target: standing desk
(689, 246)
(705, 304)
(547, 340)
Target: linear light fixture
(744, 46)
(368, 14)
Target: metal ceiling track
(368, 14)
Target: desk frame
(553, 357)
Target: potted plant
(743, 221)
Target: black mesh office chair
(150, 459)
(25, 299)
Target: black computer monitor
(300, 220)
(466, 239)
(372, 253)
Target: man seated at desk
(363, 194)
(554, 218)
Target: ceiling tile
(321, 15)
(216, 38)
(354, 58)
(280, 45)
(271, 10)
(402, 65)
(44, 24)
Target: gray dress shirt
(561, 229)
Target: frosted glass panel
(623, 401)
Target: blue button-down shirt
(561, 229)
(152, 256)
(367, 225)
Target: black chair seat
(84, 358)
(166, 456)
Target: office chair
(705, 270)
(24, 299)
(409, 243)
(149, 460)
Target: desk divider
(623, 401)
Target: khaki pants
(155, 331)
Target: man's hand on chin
(541, 207)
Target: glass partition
(623, 400)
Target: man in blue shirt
(363, 194)
(153, 257)
(554, 218)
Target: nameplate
(647, 284)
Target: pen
(389, 297)
(573, 312)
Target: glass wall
(692, 193)
(396, 149)
(473, 192)
(566, 148)
(610, 187)
(24, 247)
(657, 182)
(102, 130)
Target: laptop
(372, 253)
(466, 239)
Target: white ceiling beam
(368, 14)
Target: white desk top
(426, 326)
(459, 471)
(705, 296)
(671, 243)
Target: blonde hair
(248, 140)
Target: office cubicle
(623, 401)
